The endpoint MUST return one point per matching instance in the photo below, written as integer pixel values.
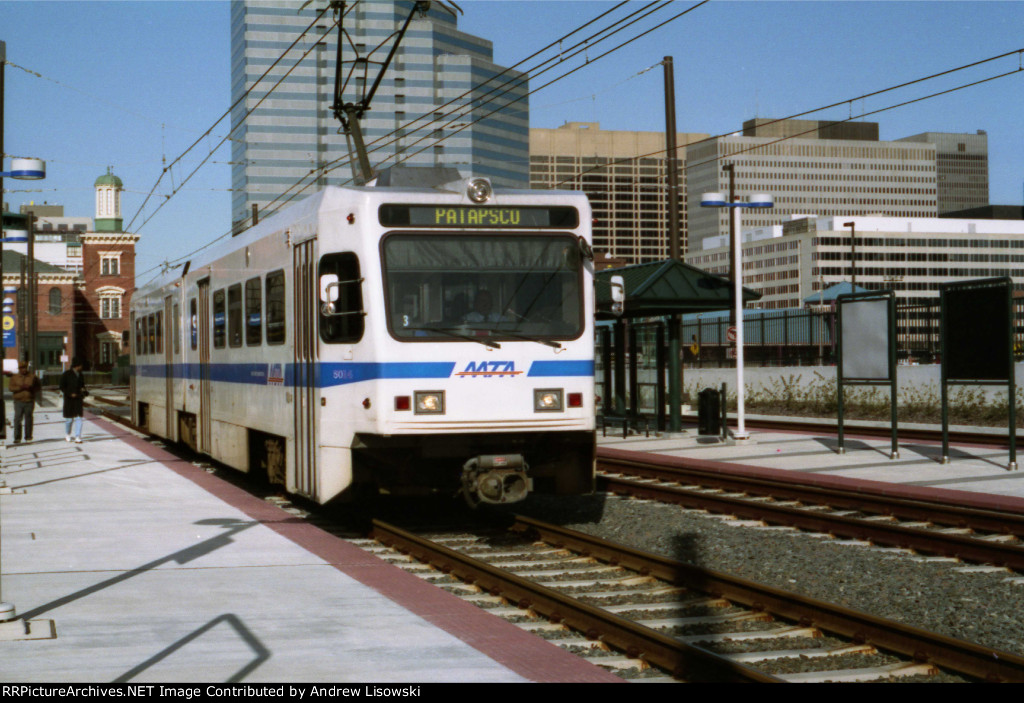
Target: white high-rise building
(434, 105)
(844, 177)
(912, 256)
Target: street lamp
(853, 253)
(761, 200)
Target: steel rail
(891, 535)
(945, 652)
(888, 499)
(963, 546)
(684, 660)
(900, 501)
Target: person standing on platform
(72, 385)
(25, 388)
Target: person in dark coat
(72, 385)
(25, 389)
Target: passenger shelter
(658, 290)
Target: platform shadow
(183, 556)
(260, 653)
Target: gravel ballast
(986, 608)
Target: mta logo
(487, 369)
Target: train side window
(151, 334)
(253, 313)
(158, 334)
(177, 328)
(139, 336)
(341, 299)
(275, 308)
(219, 320)
(235, 315)
(193, 321)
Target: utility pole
(732, 241)
(675, 364)
(33, 330)
(672, 163)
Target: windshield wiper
(451, 332)
(547, 342)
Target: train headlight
(547, 400)
(479, 190)
(429, 402)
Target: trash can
(709, 420)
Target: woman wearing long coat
(72, 385)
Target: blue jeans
(78, 426)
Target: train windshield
(455, 287)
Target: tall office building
(912, 256)
(625, 176)
(961, 168)
(433, 106)
(824, 171)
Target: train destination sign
(475, 216)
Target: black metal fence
(771, 338)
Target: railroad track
(694, 624)
(975, 535)
(648, 616)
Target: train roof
(330, 198)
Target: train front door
(306, 387)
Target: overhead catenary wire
(227, 113)
(209, 155)
(341, 162)
(576, 50)
(850, 101)
(335, 164)
(589, 61)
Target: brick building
(84, 282)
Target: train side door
(204, 440)
(134, 360)
(169, 367)
(307, 393)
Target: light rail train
(404, 338)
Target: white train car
(405, 338)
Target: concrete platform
(148, 569)
(972, 470)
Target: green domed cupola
(108, 202)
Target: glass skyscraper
(434, 105)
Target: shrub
(789, 395)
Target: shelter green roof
(666, 287)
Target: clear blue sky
(127, 83)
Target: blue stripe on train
(584, 367)
(342, 373)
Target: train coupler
(495, 478)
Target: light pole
(761, 200)
(25, 169)
(853, 254)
